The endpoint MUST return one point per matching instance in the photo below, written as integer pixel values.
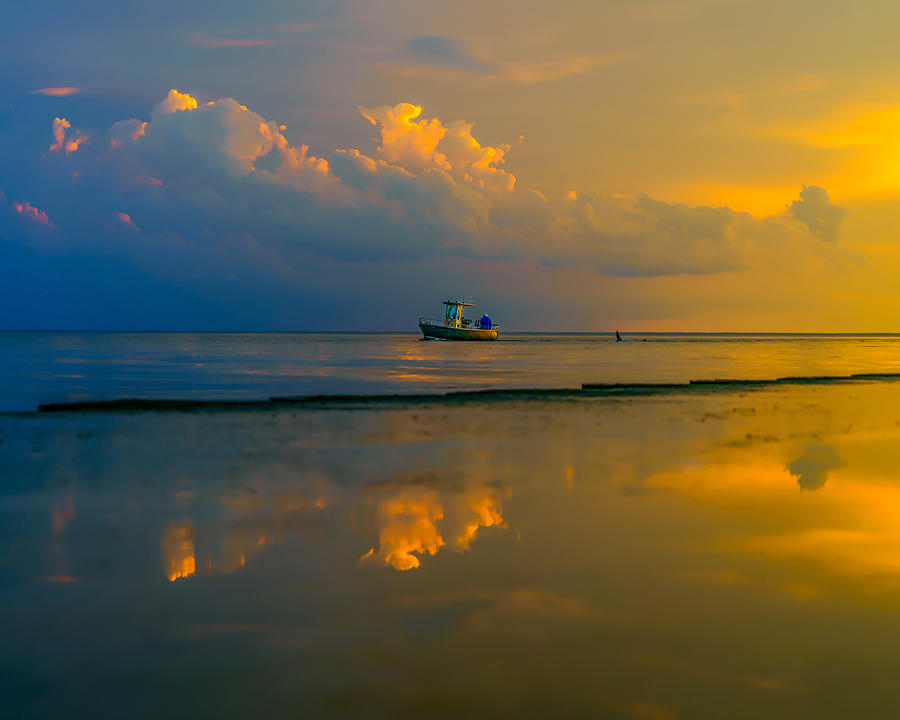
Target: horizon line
(787, 333)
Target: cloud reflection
(409, 522)
(178, 551)
(812, 467)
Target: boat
(455, 327)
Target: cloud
(431, 54)
(814, 208)
(405, 141)
(27, 210)
(231, 210)
(130, 130)
(447, 52)
(55, 91)
(172, 103)
(430, 189)
(61, 142)
(547, 71)
(125, 219)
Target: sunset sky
(708, 165)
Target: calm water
(700, 556)
(54, 367)
(682, 555)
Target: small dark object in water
(618, 337)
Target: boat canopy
(453, 316)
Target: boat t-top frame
(453, 316)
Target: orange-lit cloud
(427, 144)
(60, 125)
(479, 164)
(174, 102)
(61, 141)
(56, 91)
(125, 219)
(27, 210)
(126, 131)
(149, 181)
(452, 192)
(406, 141)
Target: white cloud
(431, 189)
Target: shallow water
(705, 555)
(40, 367)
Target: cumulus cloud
(405, 141)
(61, 141)
(221, 187)
(126, 130)
(27, 210)
(429, 189)
(814, 208)
(173, 102)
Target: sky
(683, 165)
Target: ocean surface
(707, 552)
(50, 367)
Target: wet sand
(718, 553)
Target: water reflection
(812, 467)
(630, 557)
(410, 519)
(178, 550)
